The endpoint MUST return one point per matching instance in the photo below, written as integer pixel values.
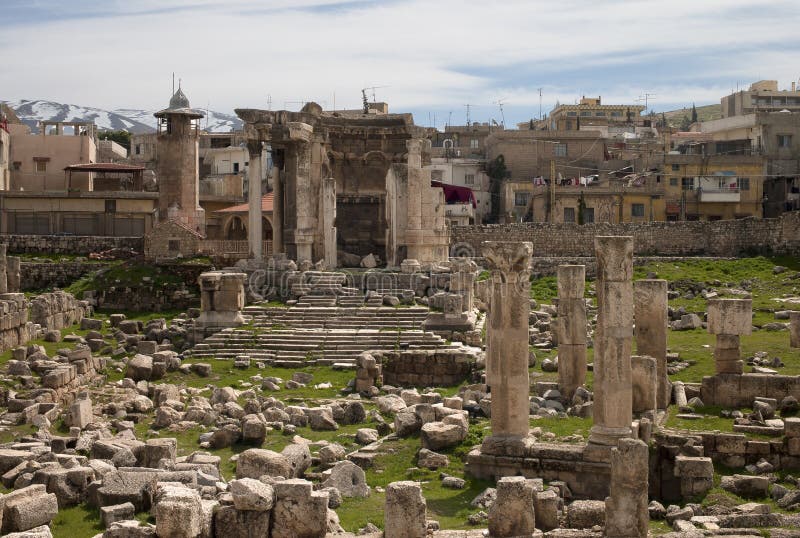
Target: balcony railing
(231, 249)
(719, 195)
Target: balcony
(720, 195)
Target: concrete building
(5, 138)
(38, 160)
(462, 141)
(591, 112)
(109, 151)
(715, 187)
(469, 174)
(177, 164)
(762, 96)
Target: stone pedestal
(728, 319)
(571, 328)
(513, 514)
(613, 397)
(626, 507)
(650, 314)
(221, 302)
(794, 328)
(507, 339)
(405, 513)
(254, 226)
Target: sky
(427, 58)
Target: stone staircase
(323, 335)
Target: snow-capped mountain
(133, 120)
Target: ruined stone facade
(373, 167)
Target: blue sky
(431, 57)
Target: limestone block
(257, 462)
(178, 511)
(794, 328)
(405, 511)
(80, 413)
(730, 316)
(26, 508)
(228, 522)
(512, 513)
(252, 494)
(349, 479)
(299, 512)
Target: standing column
(328, 200)
(463, 282)
(613, 395)
(3, 270)
(254, 226)
(650, 312)
(277, 211)
(507, 336)
(13, 274)
(728, 319)
(794, 327)
(571, 328)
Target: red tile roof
(266, 206)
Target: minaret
(177, 164)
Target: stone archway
(266, 229)
(236, 229)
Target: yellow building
(716, 187)
(591, 112)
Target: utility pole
(540, 103)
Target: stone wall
(80, 245)
(721, 238)
(15, 329)
(57, 310)
(740, 390)
(441, 367)
(41, 276)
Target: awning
(455, 194)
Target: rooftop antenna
(364, 99)
(468, 118)
(540, 103)
(646, 97)
(499, 103)
(173, 83)
(269, 101)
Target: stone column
(728, 319)
(644, 381)
(463, 282)
(405, 511)
(613, 395)
(277, 212)
(254, 226)
(507, 337)
(571, 328)
(3, 270)
(305, 197)
(650, 314)
(626, 507)
(794, 327)
(328, 202)
(13, 276)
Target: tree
(685, 123)
(496, 170)
(694, 114)
(121, 137)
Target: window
(744, 183)
(111, 206)
(174, 245)
(784, 141)
(41, 167)
(616, 114)
(673, 182)
(572, 113)
(469, 179)
(676, 167)
(588, 215)
(437, 175)
(521, 198)
(560, 150)
(585, 114)
(138, 149)
(474, 143)
(687, 183)
(600, 114)
(569, 214)
(637, 210)
(235, 168)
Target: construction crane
(364, 96)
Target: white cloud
(234, 54)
